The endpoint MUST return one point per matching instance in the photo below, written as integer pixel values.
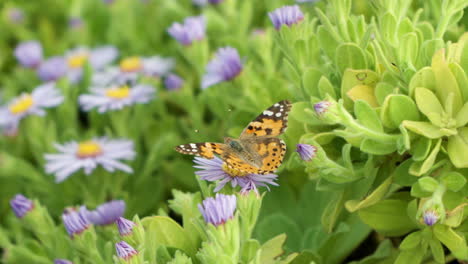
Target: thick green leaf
(376, 147)
(350, 56)
(445, 81)
(302, 112)
(453, 241)
(272, 249)
(428, 184)
(352, 78)
(377, 195)
(413, 256)
(420, 167)
(411, 241)
(325, 88)
(462, 78)
(367, 116)
(310, 80)
(423, 78)
(457, 148)
(462, 116)
(402, 176)
(437, 251)
(382, 90)
(427, 101)
(388, 217)
(249, 250)
(427, 129)
(397, 108)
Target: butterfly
(258, 149)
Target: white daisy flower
(150, 66)
(115, 96)
(98, 58)
(87, 155)
(44, 96)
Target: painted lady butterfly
(258, 150)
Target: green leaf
(423, 78)
(325, 88)
(409, 48)
(461, 76)
(453, 241)
(350, 56)
(457, 148)
(454, 181)
(161, 230)
(414, 256)
(462, 116)
(402, 176)
(363, 92)
(272, 249)
(437, 250)
(249, 250)
(427, 101)
(276, 224)
(376, 147)
(310, 79)
(421, 148)
(411, 241)
(417, 191)
(396, 109)
(302, 112)
(377, 195)
(428, 184)
(382, 91)
(445, 80)
(388, 217)
(367, 116)
(352, 78)
(420, 167)
(326, 41)
(427, 129)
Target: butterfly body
(257, 150)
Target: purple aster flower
(215, 2)
(306, 151)
(62, 261)
(15, 15)
(225, 66)
(200, 2)
(102, 56)
(286, 15)
(173, 82)
(75, 222)
(29, 54)
(322, 107)
(212, 170)
(21, 205)
(106, 213)
(125, 226)
(193, 29)
(430, 217)
(218, 210)
(52, 69)
(124, 250)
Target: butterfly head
(233, 144)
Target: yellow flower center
(233, 172)
(22, 105)
(130, 64)
(77, 61)
(88, 149)
(118, 92)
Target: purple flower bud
(52, 69)
(322, 107)
(306, 151)
(219, 209)
(75, 22)
(430, 217)
(124, 250)
(286, 15)
(225, 66)
(215, 2)
(15, 15)
(21, 205)
(106, 213)
(62, 261)
(125, 226)
(29, 54)
(193, 29)
(173, 82)
(75, 222)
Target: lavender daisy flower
(21, 205)
(106, 213)
(98, 58)
(173, 82)
(29, 54)
(286, 15)
(52, 69)
(224, 67)
(151, 66)
(306, 151)
(88, 155)
(213, 170)
(124, 250)
(115, 97)
(124, 226)
(62, 261)
(192, 30)
(75, 22)
(44, 96)
(102, 56)
(218, 210)
(75, 222)
(215, 2)
(430, 217)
